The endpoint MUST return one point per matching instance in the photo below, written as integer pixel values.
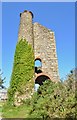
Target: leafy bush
(55, 100)
(52, 100)
(23, 68)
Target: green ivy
(23, 68)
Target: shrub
(53, 100)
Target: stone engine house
(43, 43)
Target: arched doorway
(38, 65)
(40, 79)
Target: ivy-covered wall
(23, 68)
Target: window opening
(38, 66)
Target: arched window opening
(40, 79)
(38, 66)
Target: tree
(55, 99)
(1, 80)
(52, 100)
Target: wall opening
(38, 66)
(40, 79)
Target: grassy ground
(16, 112)
(1, 104)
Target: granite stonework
(26, 27)
(43, 43)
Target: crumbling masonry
(43, 43)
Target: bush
(54, 100)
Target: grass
(1, 106)
(0, 109)
(16, 112)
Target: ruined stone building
(43, 43)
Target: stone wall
(43, 42)
(45, 49)
(26, 27)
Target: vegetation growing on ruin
(52, 100)
(23, 69)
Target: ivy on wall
(23, 68)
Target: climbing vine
(23, 68)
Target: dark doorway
(40, 79)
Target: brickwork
(43, 42)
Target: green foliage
(55, 100)
(52, 100)
(1, 80)
(15, 112)
(23, 68)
